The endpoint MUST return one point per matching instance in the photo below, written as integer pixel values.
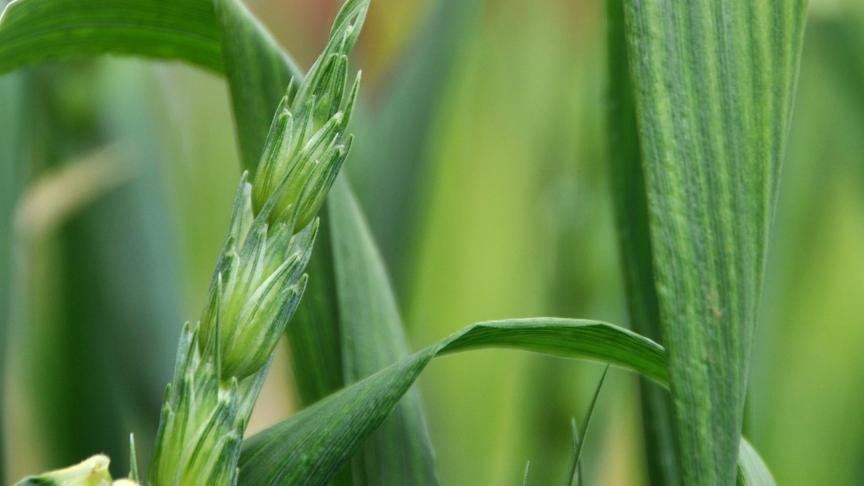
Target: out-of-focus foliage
(511, 216)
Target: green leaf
(634, 243)
(12, 165)
(713, 83)
(309, 447)
(372, 338)
(34, 31)
(314, 331)
(580, 434)
(752, 470)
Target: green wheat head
(259, 279)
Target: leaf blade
(372, 338)
(713, 85)
(12, 163)
(34, 31)
(334, 428)
(752, 470)
(330, 431)
(634, 243)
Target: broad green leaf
(34, 31)
(713, 84)
(12, 165)
(314, 331)
(372, 338)
(634, 243)
(310, 447)
(752, 470)
(392, 149)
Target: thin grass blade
(400, 451)
(580, 434)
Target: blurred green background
(492, 202)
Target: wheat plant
(259, 280)
(699, 105)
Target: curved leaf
(33, 31)
(752, 470)
(372, 337)
(310, 447)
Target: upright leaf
(634, 243)
(581, 434)
(12, 169)
(372, 338)
(713, 84)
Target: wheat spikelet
(259, 280)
